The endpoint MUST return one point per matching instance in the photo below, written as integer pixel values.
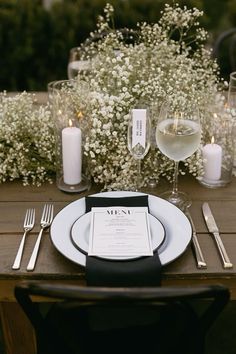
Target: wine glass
(138, 137)
(232, 94)
(178, 136)
(78, 63)
(232, 104)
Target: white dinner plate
(81, 228)
(177, 227)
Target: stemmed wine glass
(232, 94)
(138, 137)
(77, 63)
(178, 135)
(231, 103)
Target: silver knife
(201, 263)
(212, 227)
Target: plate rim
(80, 259)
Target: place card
(120, 231)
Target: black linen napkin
(136, 201)
(144, 271)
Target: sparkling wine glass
(138, 137)
(231, 103)
(178, 135)
(78, 63)
(232, 94)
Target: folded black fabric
(136, 201)
(144, 271)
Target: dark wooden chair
(160, 320)
(224, 51)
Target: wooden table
(53, 267)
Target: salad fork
(45, 222)
(28, 226)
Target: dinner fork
(28, 226)
(45, 222)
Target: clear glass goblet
(178, 136)
(138, 137)
(232, 94)
(78, 63)
(231, 104)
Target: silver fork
(45, 222)
(28, 226)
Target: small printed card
(139, 117)
(120, 231)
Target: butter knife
(212, 227)
(201, 263)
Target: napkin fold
(136, 201)
(144, 271)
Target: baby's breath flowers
(128, 68)
(144, 66)
(27, 144)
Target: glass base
(211, 183)
(225, 178)
(84, 185)
(152, 183)
(181, 200)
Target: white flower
(154, 67)
(27, 144)
(162, 62)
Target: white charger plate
(81, 228)
(177, 227)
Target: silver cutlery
(201, 263)
(45, 222)
(28, 226)
(212, 227)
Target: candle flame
(212, 140)
(70, 123)
(215, 115)
(80, 115)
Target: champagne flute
(138, 136)
(178, 136)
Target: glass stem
(138, 186)
(175, 181)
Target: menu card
(120, 231)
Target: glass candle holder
(218, 151)
(71, 125)
(231, 103)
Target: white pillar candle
(212, 160)
(71, 154)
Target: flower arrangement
(144, 66)
(127, 68)
(27, 143)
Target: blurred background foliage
(35, 40)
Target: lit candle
(212, 160)
(71, 154)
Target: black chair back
(224, 51)
(160, 320)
